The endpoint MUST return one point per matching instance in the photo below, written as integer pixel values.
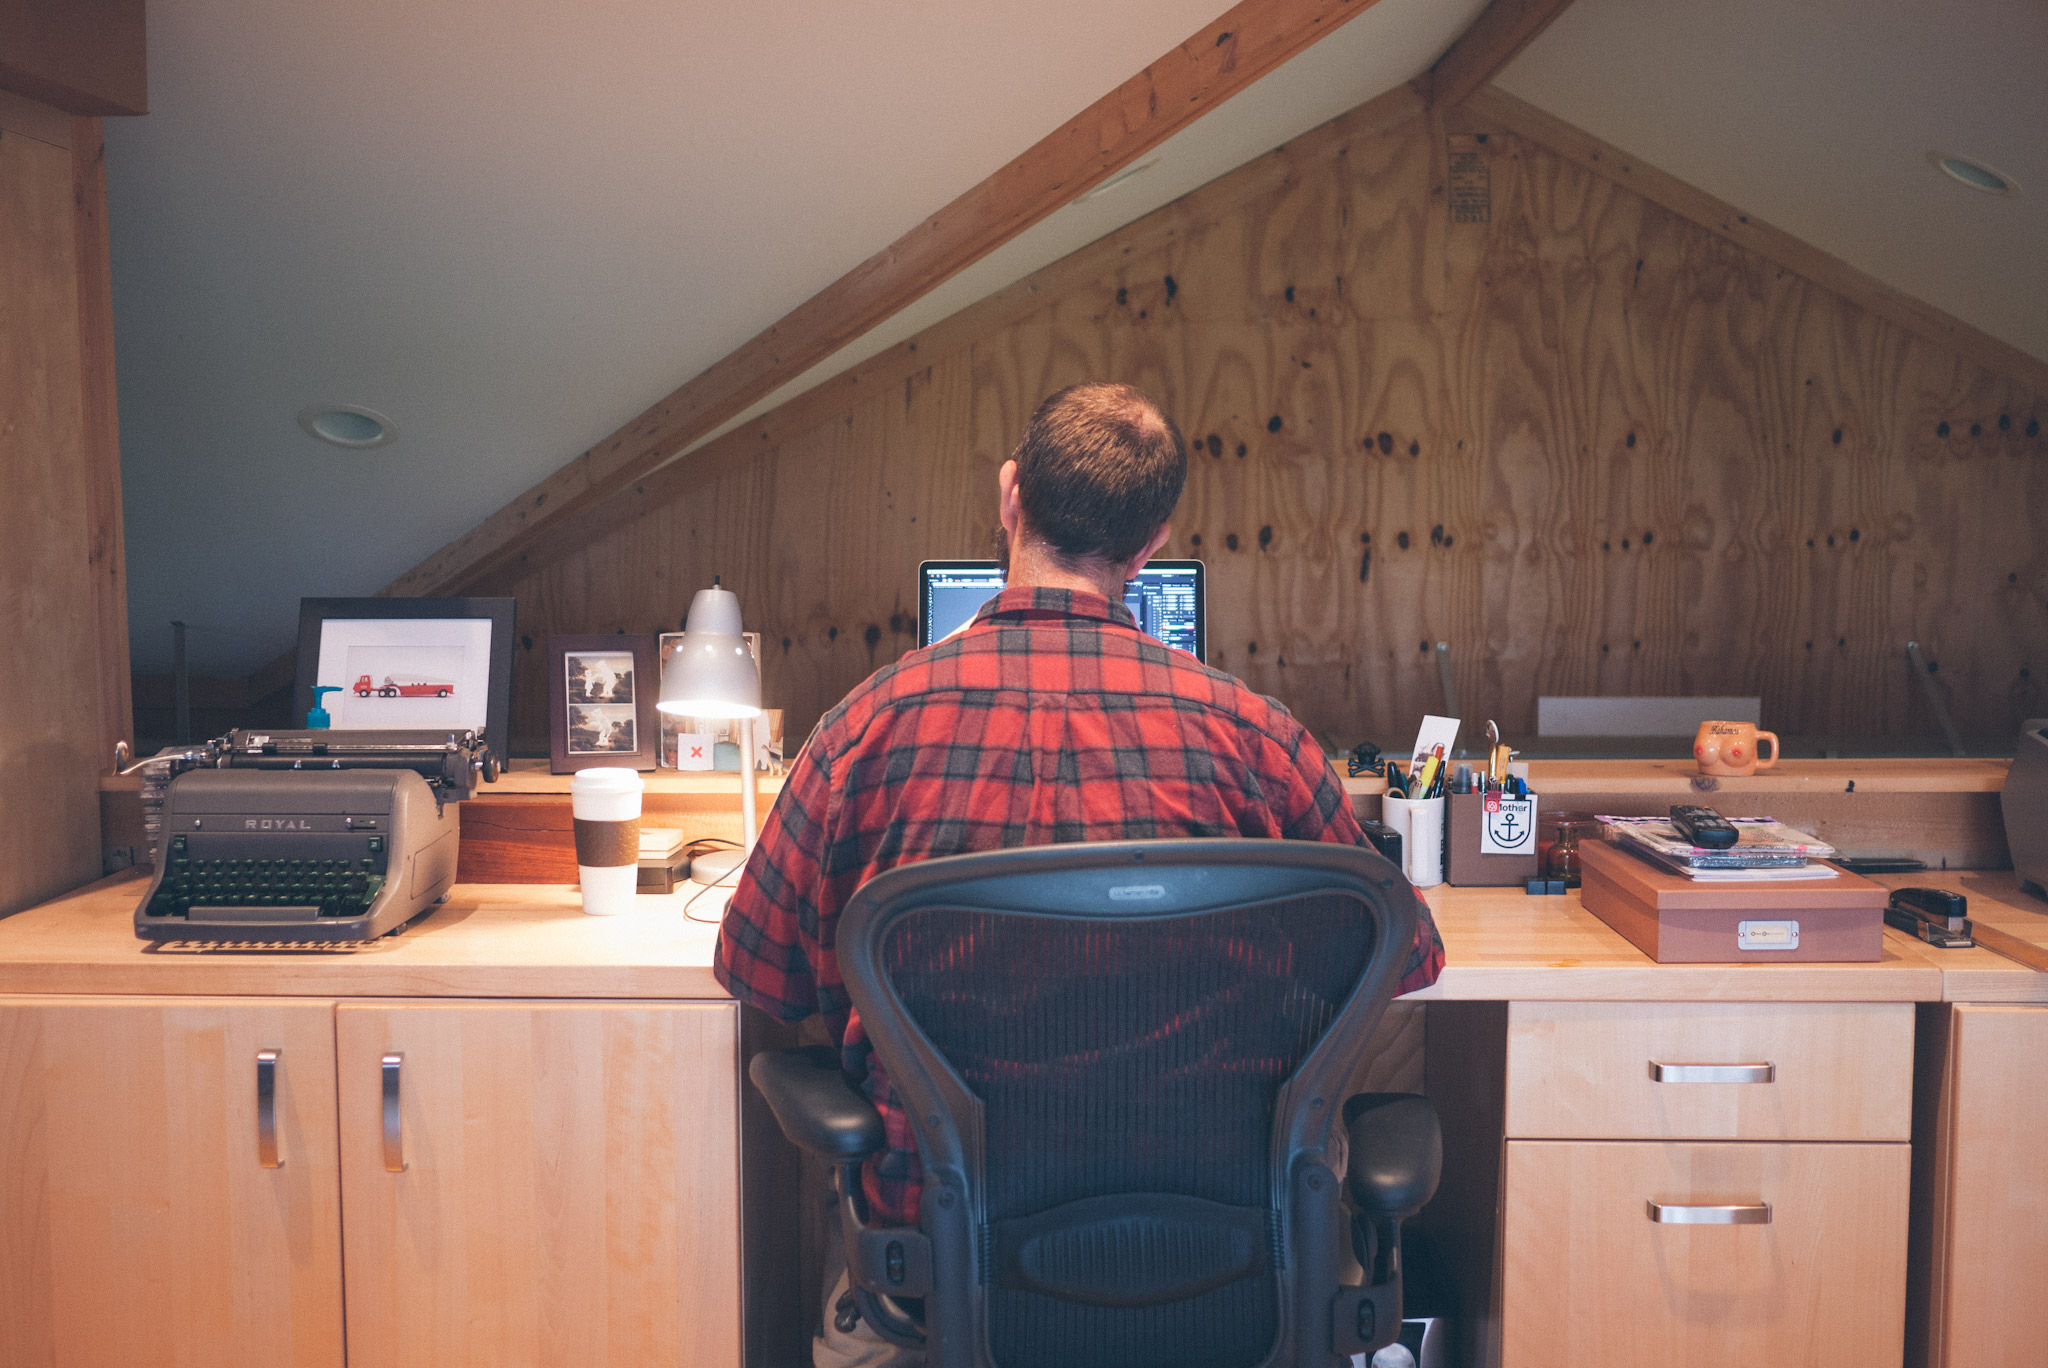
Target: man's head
(1094, 481)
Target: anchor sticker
(1510, 826)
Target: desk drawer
(1590, 1280)
(1729, 1071)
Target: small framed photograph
(601, 696)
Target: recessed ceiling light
(1120, 177)
(1975, 174)
(349, 425)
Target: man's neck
(1032, 566)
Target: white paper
(1436, 731)
(1509, 827)
(693, 750)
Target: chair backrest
(1122, 1062)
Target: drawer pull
(1666, 1214)
(266, 1109)
(394, 1134)
(1713, 1073)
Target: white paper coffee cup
(604, 806)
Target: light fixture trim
(348, 425)
(1969, 171)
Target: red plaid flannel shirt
(1051, 718)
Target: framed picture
(438, 664)
(601, 696)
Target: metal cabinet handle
(1713, 1073)
(1666, 1214)
(266, 1109)
(394, 1133)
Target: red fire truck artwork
(411, 686)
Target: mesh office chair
(1125, 1064)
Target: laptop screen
(1169, 598)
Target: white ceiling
(1817, 117)
(512, 226)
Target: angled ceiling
(510, 226)
(1817, 117)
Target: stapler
(1932, 914)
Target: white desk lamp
(713, 674)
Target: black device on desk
(1169, 599)
(1935, 915)
(2024, 801)
(305, 835)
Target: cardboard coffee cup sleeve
(601, 845)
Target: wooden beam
(1249, 40)
(799, 414)
(1495, 109)
(105, 549)
(80, 56)
(1483, 51)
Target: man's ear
(1009, 504)
(1159, 539)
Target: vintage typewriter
(301, 836)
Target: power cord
(697, 848)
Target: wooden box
(1465, 864)
(1676, 920)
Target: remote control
(1704, 827)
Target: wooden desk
(542, 1049)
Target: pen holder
(1420, 824)
(1492, 840)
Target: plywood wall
(1594, 447)
(63, 636)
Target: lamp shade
(712, 673)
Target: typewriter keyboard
(338, 888)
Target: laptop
(1169, 598)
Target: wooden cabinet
(139, 1222)
(568, 1193)
(1981, 1205)
(1674, 1183)
(1590, 1279)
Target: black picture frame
(314, 613)
(644, 688)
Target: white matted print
(602, 729)
(598, 676)
(407, 672)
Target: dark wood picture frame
(646, 719)
(314, 612)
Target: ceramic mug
(1731, 748)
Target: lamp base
(716, 866)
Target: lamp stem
(749, 795)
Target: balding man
(1050, 718)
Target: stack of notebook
(1765, 850)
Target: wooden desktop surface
(533, 940)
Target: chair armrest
(1397, 1152)
(817, 1108)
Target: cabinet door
(1990, 1196)
(570, 1189)
(139, 1223)
(1590, 1280)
